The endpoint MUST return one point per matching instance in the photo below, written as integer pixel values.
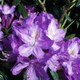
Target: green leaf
(22, 10)
(1, 77)
(54, 75)
(78, 3)
(70, 36)
(16, 2)
(67, 17)
(77, 24)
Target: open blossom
(51, 28)
(33, 37)
(73, 51)
(34, 68)
(7, 14)
(56, 60)
(73, 69)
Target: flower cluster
(39, 44)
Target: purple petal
(53, 63)
(8, 10)
(22, 59)
(41, 72)
(31, 74)
(15, 43)
(18, 68)
(68, 67)
(55, 47)
(54, 33)
(44, 19)
(8, 19)
(31, 18)
(0, 7)
(38, 53)
(25, 50)
(21, 32)
(3, 20)
(73, 49)
(45, 43)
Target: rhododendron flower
(33, 37)
(7, 15)
(73, 51)
(34, 68)
(51, 28)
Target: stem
(44, 1)
(70, 6)
(2, 2)
(69, 25)
(62, 15)
(65, 21)
(43, 5)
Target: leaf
(78, 3)
(16, 2)
(1, 77)
(22, 10)
(24, 76)
(54, 75)
(77, 24)
(67, 17)
(70, 36)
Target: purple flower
(7, 15)
(34, 68)
(33, 37)
(72, 51)
(74, 47)
(7, 10)
(51, 28)
(55, 61)
(73, 69)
